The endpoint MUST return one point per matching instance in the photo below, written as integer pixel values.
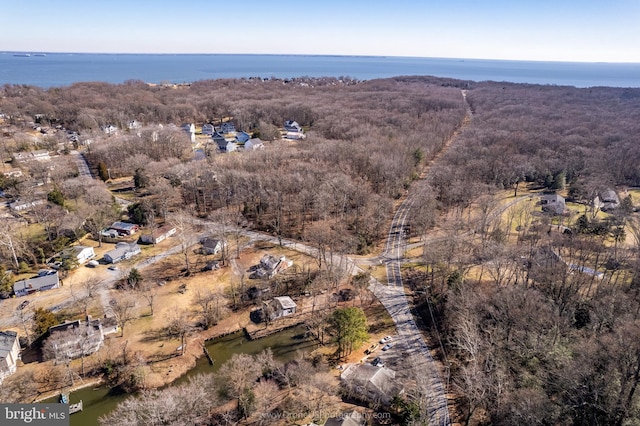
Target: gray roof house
(242, 137)
(80, 338)
(292, 126)
(211, 245)
(158, 235)
(208, 129)
(122, 252)
(270, 266)
(553, 203)
(46, 280)
(9, 353)
(279, 307)
(253, 144)
(228, 128)
(607, 200)
(377, 385)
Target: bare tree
(122, 308)
(210, 306)
(183, 222)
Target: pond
(285, 345)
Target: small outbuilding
(279, 307)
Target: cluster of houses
(555, 204)
(228, 139)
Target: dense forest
(528, 336)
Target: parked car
(93, 263)
(377, 362)
(385, 339)
(23, 305)
(113, 267)
(387, 346)
(371, 349)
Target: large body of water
(61, 69)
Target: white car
(385, 339)
(387, 347)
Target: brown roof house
(9, 353)
(376, 385)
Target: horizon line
(314, 55)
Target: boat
(75, 408)
(39, 54)
(22, 55)
(64, 398)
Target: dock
(75, 408)
(206, 352)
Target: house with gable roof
(369, 383)
(46, 280)
(9, 353)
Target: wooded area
(529, 335)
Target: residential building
(208, 129)
(376, 385)
(26, 156)
(80, 254)
(109, 129)
(12, 172)
(228, 128)
(134, 125)
(607, 200)
(242, 137)
(279, 307)
(46, 280)
(553, 203)
(253, 144)
(211, 245)
(124, 228)
(123, 251)
(74, 339)
(158, 235)
(20, 205)
(292, 126)
(9, 353)
(270, 266)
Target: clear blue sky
(557, 30)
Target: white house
(292, 126)
(133, 125)
(270, 266)
(158, 235)
(9, 353)
(19, 205)
(46, 280)
(110, 129)
(279, 307)
(80, 254)
(254, 144)
(123, 251)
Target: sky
(540, 30)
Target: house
(377, 385)
(253, 144)
(15, 173)
(19, 205)
(9, 353)
(553, 203)
(190, 128)
(124, 228)
(352, 418)
(158, 235)
(292, 126)
(134, 125)
(80, 338)
(110, 325)
(227, 128)
(279, 307)
(211, 245)
(80, 254)
(242, 137)
(225, 145)
(208, 129)
(46, 280)
(39, 155)
(109, 129)
(270, 266)
(123, 251)
(294, 136)
(607, 200)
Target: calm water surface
(60, 69)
